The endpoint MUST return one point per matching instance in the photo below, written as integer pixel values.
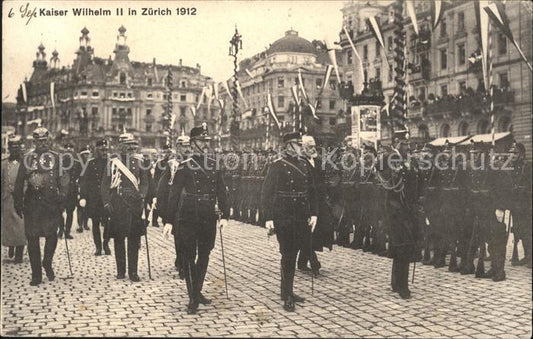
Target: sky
(202, 38)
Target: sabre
(223, 260)
(68, 257)
(145, 221)
(414, 268)
(312, 273)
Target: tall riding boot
(97, 236)
(453, 260)
(190, 279)
(49, 250)
(394, 275)
(133, 257)
(34, 252)
(120, 257)
(201, 270)
(480, 269)
(19, 253)
(403, 276)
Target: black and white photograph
(267, 168)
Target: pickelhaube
(401, 137)
(41, 133)
(200, 133)
(101, 143)
(127, 138)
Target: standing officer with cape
(290, 206)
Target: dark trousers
(303, 258)
(67, 225)
(34, 252)
(197, 243)
(178, 246)
(97, 235)
(82, 217)
(18, 251)
(134, 243)
(497, 248)
(400, 274)
(292, 236)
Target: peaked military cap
(183, 140)
(14, 141)
(200, 133)
(85, 149)
(127, 138)
(101, 143)
(292, 137)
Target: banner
(52, 94)
(359, 76)
(411, 11)
(436, 13)
(365, 122)
(271, 110)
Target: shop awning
(453, 141)
(486, 138)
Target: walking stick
(312, 273)
(148, 255)
(414, 268)
(223, 262)
(68, 257)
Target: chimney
(153, 62)
(180, 62)
(198, 67)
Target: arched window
(122, 78)
(423, 132)
(505, 125)
(463, 128)
(445, 131)
(483, 127)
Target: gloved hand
(312, 223)
(167, 230)
(223, 223)
(154, 201)
(269, 225)
(83, 202)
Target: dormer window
(122, 78)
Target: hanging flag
(359, 76)
(331, 47)
(271, 110)
(496, 12)
(313, 111)
(24, 93)
(215, 90)
(325, 79)
(377, 32)
(239, 90)
(301, 83)
(436, 13)
(226, 86)
(52, 94)
(295, 95)
(222, 103)
(483, 24)
(200, 98)
(193, 110)
(411, 11)
(248, 72)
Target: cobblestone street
(352, 297)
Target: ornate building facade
(276, 71)
(446, 91)
(98, 97)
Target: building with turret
(96, 97)
(276, 70)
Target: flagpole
(490, 89)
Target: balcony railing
(469, 103)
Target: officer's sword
(68, 257)
(145, 221)
(223, 259)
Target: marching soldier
(82, 213)
(159, 168)
(12, 223)
(123, 190)
(198, 186)
(290, 207)
(91, 199)
(41, 204)
(166, 181)
(73, 166)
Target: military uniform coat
(126, 201)
(323, 234)
(90, 187)
(40, 191)
(12, 224)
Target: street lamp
(235, 46)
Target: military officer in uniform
(123, 190)
(197, 187)
(91, 199)
(403, 208)
(85, 153)
(183, 148)
(290, 205)
(73, 166)
(41, 204)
